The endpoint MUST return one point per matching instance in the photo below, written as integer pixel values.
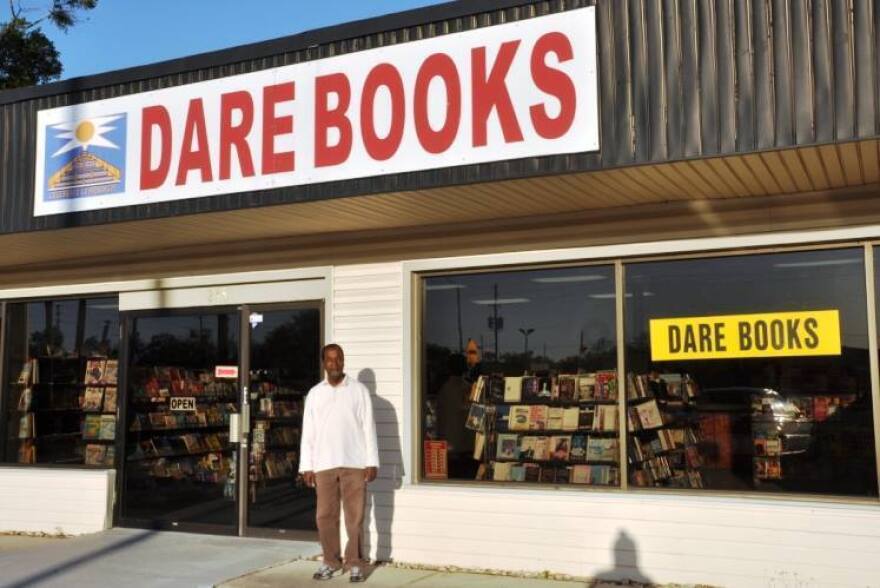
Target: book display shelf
(664, 431)
(62, 410)
(276, 415)
(553, 429)
(178, 431)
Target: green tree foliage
(27, 56)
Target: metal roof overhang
(807, 187)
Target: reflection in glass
(179, 464)
(55, 411)
(519, 376)
(771, 424)
(285, 364)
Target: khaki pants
(348, 487)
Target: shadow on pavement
(71, 564)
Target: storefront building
(609, 269)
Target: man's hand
(370, 474)
(309, 479)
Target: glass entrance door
(188, 373)
(179, 465)
(284, 362)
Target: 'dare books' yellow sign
(776, 334)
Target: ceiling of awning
(825, 181)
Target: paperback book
(93, 399)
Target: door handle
(245, 418)
(234, 428)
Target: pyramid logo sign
(85, 157)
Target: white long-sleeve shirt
(338, 428)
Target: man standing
(339, 456)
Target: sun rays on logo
(85, 133)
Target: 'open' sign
(183, 404)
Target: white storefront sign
(522, 89)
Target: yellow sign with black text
(773, 334)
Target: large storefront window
(520, 382)
(750, 373)
(60, 393)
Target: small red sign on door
(226, 371)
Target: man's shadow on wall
(626, 565)
(381, 494)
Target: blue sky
(126, 33)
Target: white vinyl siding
(42, 500)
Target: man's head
(334, 362)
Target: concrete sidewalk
(299, 574)
(139, 558)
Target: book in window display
(93, 400)
(513, 389)
(562, 475)
(538, 416)
(554, 418)
(495, 389)
(27, 428)
(578, 450)
(605, 420)
(110, 399)
(501, 471)
(30, 372)
(108, 428)
(508, 446)
(96, 454)
(561, 445)
(519, 419)
(543, 449)
(476, 417)
(606, 385)
(517, 473)
(92, 427)
(566, 389)
(548, 474)
(27, 452)
(602, 449)
(526, 447)
(479, 445)
(26, 399)
(648, 415)
(531, 387)
(95, 372)
(570, 418)
(111, 372)
(534, 428)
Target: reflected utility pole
(495, 319)
(458, 308)
(496, 323)
(526, 333)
